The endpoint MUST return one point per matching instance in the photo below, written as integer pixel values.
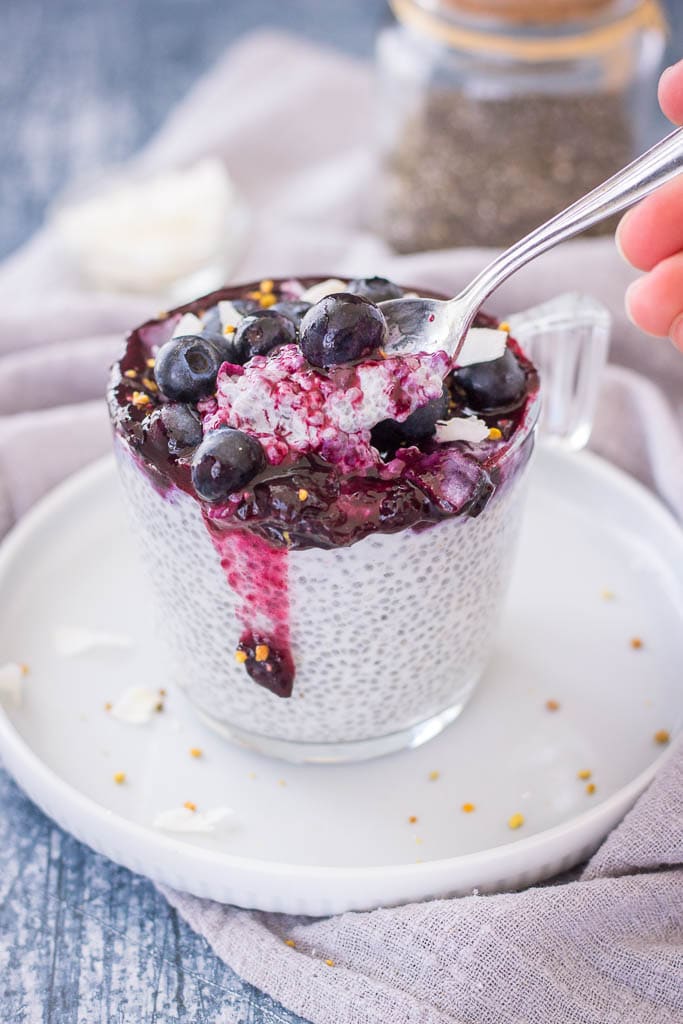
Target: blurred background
(85, 83)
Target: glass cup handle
(567, 339)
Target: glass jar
(495, 114)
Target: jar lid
(535, 11)
(580, 34)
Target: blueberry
(376, 289)
(212, 330)
(186, 368)
(245, 306)
(294, 310)
(385, 436)
(422, 422)
(228, 350)
(182, 425)
(225, 461)
(340, 329)
(211, 321)
(388, 435)
(262, 331)
(222, 342)
(489, 387)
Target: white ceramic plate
(318, 839)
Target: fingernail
(617, 236)
(628, 298)
(676, 332)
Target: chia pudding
(329, 527)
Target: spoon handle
(658, 165)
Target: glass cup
(567, 339)
(390, 635)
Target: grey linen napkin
(605, 945)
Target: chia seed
(465, 171)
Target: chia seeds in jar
(496, 115)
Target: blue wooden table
(83, 83)
(83, 941)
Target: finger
(670, 92)
(676, 332)
(655, 302)
(653, 230)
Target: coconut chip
(481, 345)
(11, 683)
(182, 819)
(137, 705)
(228, 315)
(188, 324)
(319, 291)
(462, 428)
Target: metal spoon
(430, 325)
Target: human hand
(650, 237)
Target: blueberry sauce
(329, 475)
(257, 573)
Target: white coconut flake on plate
(70, 641)
(462, 428)
(182, 220)
(183, 819)
(481, 345)
(188, 324)
(318, 291)
(12, 683)
(228, 314)
(136, 705)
